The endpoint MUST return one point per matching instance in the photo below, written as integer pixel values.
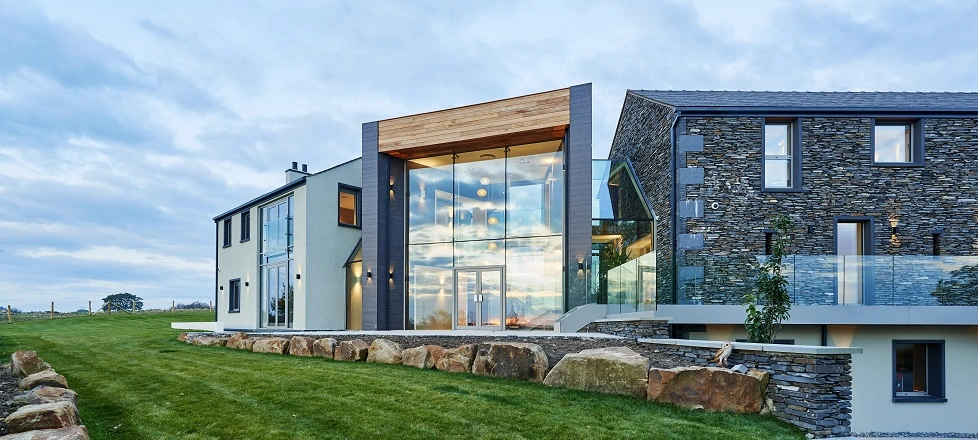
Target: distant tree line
(193, 305)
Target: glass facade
(480, 216)
(622, 270)
(277, 267)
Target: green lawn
(136, 381)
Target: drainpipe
(217, 267)
(673, 212)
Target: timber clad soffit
(544, 114)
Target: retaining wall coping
(773, 348)
(633, 319)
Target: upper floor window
(782, 156)
(245, 226)
(897, 143)
(277, 228)
(227, 232)
(349, 206)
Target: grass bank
(136, 381)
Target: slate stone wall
(644, 137)
(813, 392)
(644, 328)
(838, 179)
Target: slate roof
(731, 100)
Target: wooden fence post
(89, 308)
(52, 309)
(134, 307)
(173, 307)
(108, 306)
(210, 305)
(9, 321)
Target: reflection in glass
(466, 296)
(430, 287)
(430, 208)
(277, 265)
(849, 247)
(891, 143)
(477, 202)
(777, 155)
(534, 285)
(490, 282)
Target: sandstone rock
(46, 377)
(301, 346)
(25, 363)
(182, 337)
(270, 345)
(355, 350)
(512, 360)
(418, 357)
(437, 351)
(716, 389)
(383, 351)
(46, 394)
(613, 370)
(457, 360)
(70, 433)
(324, 347)
(240, 341)
(44, 416)
(210, 341)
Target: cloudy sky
(125, 127)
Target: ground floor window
(918, 371)
(234, 296)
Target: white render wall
(239, 261)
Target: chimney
(293, 174)
(304, 168)
(295, 165)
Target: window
(918, 371)
(227, 232)
(245, 226)
(897, 143)
(349, 206)
(234, 296)
(782, 158)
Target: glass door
(479, 298)
(851, 250)
(278, 296)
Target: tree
(123, 301)
(771, 292)
(194, 305)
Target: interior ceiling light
(492, 220)
(481, 192)
(484, 180)
(492, 245)
(487, 156)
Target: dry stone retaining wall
(631, 328)
(51, 409)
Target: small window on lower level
(234, 296)
(918, 371)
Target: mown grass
(136, 381)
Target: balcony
(878, 280)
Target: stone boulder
(437, 351)
(44, 416)
(46, 394)
(45, 378)
(324, 347)
(384, 351)
(612, 370)
(301, 346)
(240, 341)
(418, 357)
(208, 341)
(354, 351)
(271, 345)
(70, 433)
(25, 363)
(512, 360)
(715, 389)
(457, 360)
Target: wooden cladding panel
(539, 113)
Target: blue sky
(125, 127)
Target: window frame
(795, 158)
(916, 146)
(227, 232)
(245, 226)
(357, 193)
(936, 390)
(234, 295)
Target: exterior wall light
(811, 229)
(298, 277)
(246, 284)
(894, 228)
(370, 275)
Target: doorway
(854, 250)
(479, 298)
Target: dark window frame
(794, 136)
(227, 232)
(245, 226)
(916, 142)
(234, 295)
(357, 193)
(936, 376)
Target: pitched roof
(744, 100)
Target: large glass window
(278, 270)
(467, 211)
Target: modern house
(882, 188)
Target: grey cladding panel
(690, 142)
(691, 208)
(689, 273)
(691, 176)
(690, 241)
